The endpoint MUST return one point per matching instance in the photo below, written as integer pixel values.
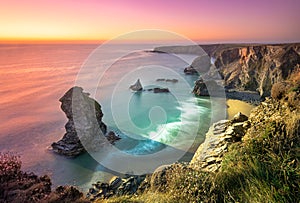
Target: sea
(155, 128)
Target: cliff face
(255, 67)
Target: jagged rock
(112, 137)
(239, 117)
(117, 186)
(137, 86)
(115, 182)
(84, 127)
(200, 88)
(207, 88)
(190, 70)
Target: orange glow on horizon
(93, 21)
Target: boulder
(190, 70)
(239, 117)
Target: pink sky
(206, 21)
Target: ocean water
(34, 77)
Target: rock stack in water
(84, 129)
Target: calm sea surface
(34, 77)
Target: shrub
(278, 90)
(10, 166)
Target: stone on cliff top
(239, 117)
(84, 129)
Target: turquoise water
(34, 77)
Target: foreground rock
(84, 128)
(209, 155)
(117, 186)
(18, 186)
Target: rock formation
(207, 88)
(117, 186)
(220, 135)
(137, 86)
(190, 70)
(84, 128)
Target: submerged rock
(160, 90)
(84, 128)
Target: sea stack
(137, 86)
(84, 129)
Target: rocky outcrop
(190, 70)
(256, 67)
(207, 88)
(84, 128)
(220, 135)
(117, 186)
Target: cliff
(254, 67)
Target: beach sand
(235, 106)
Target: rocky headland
(246, 71)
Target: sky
(198, 20)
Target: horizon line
(86, 41)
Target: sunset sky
(199, 20)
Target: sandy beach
(235, 106)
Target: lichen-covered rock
(220, 135)
(84, 128)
